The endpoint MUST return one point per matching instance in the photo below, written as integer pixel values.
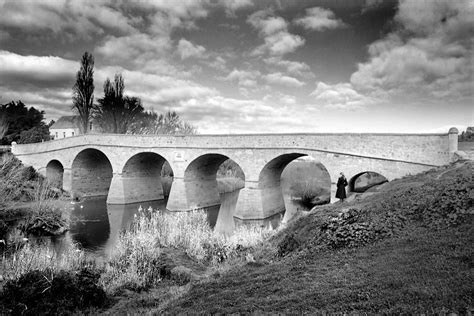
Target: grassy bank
(406, 248)
(27, 197)
(161, 250)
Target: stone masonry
(126, 168)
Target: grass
(421, 263)
(309, 194)
(139, 260)
(28, 257)
(406, 249)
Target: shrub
(52, 292)
(288, 245)
(309, 194)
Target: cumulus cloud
(135, 48)
(186, 49)
(429, 55)
(46, 81)
(341, 96)
(319, 19)
(292, 67)
(232, 6)
(245, 78)
(281, 79)
(23, 72)
(219, 114)
(64, 17)
(274, 31)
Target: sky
(252, 66)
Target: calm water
(96, 225)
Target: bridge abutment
(67, 180)
(126, 190)
(177, 199)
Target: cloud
(218, 63)
(245, 78)
(428, 56)
(24, 72)
(134, 49)
(62, 17)
(340, 96)
(319, 19)
(219, 114)
(292, 67)
(274, 31)
(186, 49)
(232, 6)
(281, 79)
(46, 82)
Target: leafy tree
(169, 123)
(36, 134)
(83, 91)
(20, 118)
(115, 112)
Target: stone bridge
(127, 168)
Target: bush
(288, 245)
(437, 204)
(52, 292)
(309, 194)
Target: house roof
(66, 122)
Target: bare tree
(168, 123)
(83, 91)
(115, 112)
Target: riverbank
(403, 248)
(28, 204)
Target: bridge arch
(55, 173)
(91, 173)
(363, 181)
(274, 200)
(200, 180)
(142, 178)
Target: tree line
(115, 112)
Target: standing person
(341, 187)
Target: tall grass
(137, 262)
(18, 182)
(42, 257)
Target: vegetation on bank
(27, 195)
(407, 249)
(404, 249)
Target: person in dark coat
(341, 188)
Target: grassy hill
(407, 248)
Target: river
(95, 225)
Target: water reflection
(96, 225)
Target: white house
(65, 126)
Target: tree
(36, 134)
(3, 123)
(20, 118)
(169, 123)
(83, 91)
(115, 112)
